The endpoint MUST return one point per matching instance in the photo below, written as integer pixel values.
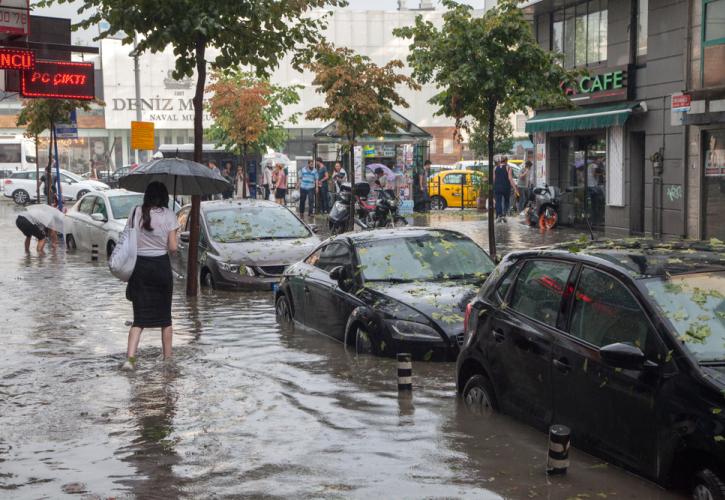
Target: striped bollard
(559, 440)
(94, 252)
(405, 373)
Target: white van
(16, 154)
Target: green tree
(39, 115)
(503, 140)
(483, 66)
(248, 33)
(359, 95)
(247, 113)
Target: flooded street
(245, 409)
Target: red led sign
(17, 59)
(60, 79)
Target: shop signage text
(17, 59)
(681, 103)
(161, 109)
(14, 16)
(67, 80)
(607, 85)
(142, 136)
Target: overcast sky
(69, 11)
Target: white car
(22, 186)
(98, 218)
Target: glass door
(582, 178)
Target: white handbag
(123, 259)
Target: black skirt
(150, 289)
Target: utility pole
(137, 78)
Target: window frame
(92, 199)
(462, 176)
(563, 313)
(575, 6)
(703, 42)
(350, 254)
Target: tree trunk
(37, 170)
(49, 169)
(244, 171)
(351, 215)
(491, 217)
(192, 271)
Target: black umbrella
(180, 177)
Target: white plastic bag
(123, 259)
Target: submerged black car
(387, 291)
(622, 342)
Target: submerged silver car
(244, 244)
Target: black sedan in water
(624, 342)
(387, 291)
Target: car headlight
(410, 330)
(228, 267)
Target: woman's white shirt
(155, 243)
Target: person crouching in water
(151, 285)
(31, 228)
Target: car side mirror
(337, 273)
(184, 236)
(98, 217)
(624, 356)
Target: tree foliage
(358, 93)
(502, 136)
(39, 115)
(248, 111)
(483, 66)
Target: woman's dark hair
(156, 196)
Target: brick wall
(444, 149)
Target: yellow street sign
(142, 136)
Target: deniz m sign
(607, 85)
(59, 79)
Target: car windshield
(121, 205)
(237, 224)
(71, 175)
(695, 305)
(432, 256)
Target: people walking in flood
(306, 185)
(503, 182)
(280, 184)
(522, 183)
(151, 285)
(31, 228)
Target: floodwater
(245, 409)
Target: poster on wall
(715, 156)
(540, 142)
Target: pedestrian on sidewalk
(306, 185)
(31, 228)
(151, 285)
(323, 187)
(280, 184)
(267, 181)
(523, 183)
(338, 176)
(503, 182)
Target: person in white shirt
(151, 285)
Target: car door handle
(562, 364)
(498, 335)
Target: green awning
(581, 119)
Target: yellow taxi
(455, 188)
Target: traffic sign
(681, 103)
(142, 136)
(67, 130)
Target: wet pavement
(245, 409)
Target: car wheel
(364, 342)
(283, 311)
(81, 194)
(70, 242)
(478, 396)
(207, 280)
(111, 248)
(708, 486)
(21, 197)
(438, 203)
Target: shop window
(714, 184)
(642, 20)
(713, 43)
(580, 33)
(714, 21)
(9, 153)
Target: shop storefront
(713, 187)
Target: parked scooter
(385, 212)
(542, 208)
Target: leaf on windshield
(720, 314)
(716, 411)
(674, 287)
(427, 356)
(696, 333)
(719, 438)
(680, 315)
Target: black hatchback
(387, 291)
(622, 342)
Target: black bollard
(94, 252)
(405, 373)
(559, 440)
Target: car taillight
(8, 181)
(466, 318)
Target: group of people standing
(504, 183)
(314, 185)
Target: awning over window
(581, 119)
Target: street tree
(483, 66)
(246, 33)
(247, 112)
(39, 115)
(359, 95)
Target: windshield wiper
(712, 362)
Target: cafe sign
(607, 85)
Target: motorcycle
(367, 216)
(542, 208)
(386, 211)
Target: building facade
(619, 157)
